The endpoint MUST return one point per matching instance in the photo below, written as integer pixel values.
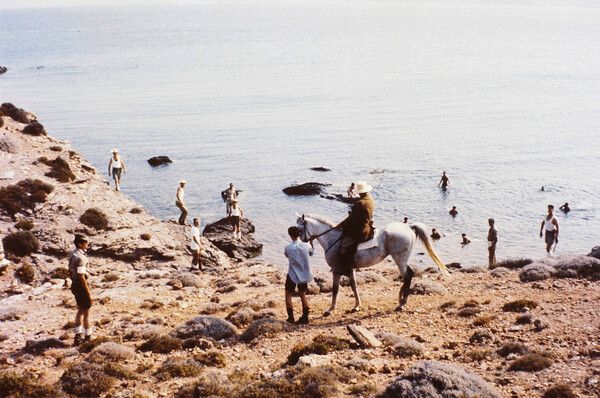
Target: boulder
(9, 144)
(363, 336)
(433, 379)
(15, 113)
(159, 161)
(3, 69)
(34, 128)
(582, 267)
(320, 169)
(205, 326)
(427, 287)
(536, 272)
(265, 327)
(306, 189)
(221, 235)
(595, 252)
(500, 272)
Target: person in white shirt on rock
(195, 246)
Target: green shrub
(321, 345)
(88, 346)
(559, 391)
(24, 385)
(513, 263)
(26, 273)
(21, 243)
(24, 195)
(60, 273)
(25, 225)
(519, 305)
(94, 218)
(60, 170)
(161, 344)
(178, 367)
(34, 128)
(532, 362)
(86, 380)
(211, 358)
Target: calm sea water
(503, 97)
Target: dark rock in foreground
(34, 128)
(320, 169)
(308, 188)
(15, 113)
(220, 234)
(595, 252)
(159, 160)
(433, 379)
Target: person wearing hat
(78, 271)
(236, 215)
(356, 228)
(228, 196)
(179, 203)
(117, 166)
(195, 246)
(492, 239)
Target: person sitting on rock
(298, 253)
(435, 234)
(465, 240)
(236, 216)
(453, 212)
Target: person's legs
(184, 213)
(195, 258)
(289, 290)
(305, 308)
(491, 256)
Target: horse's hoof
(355, 309)
(399, 307)
(326, 314)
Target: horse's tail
(422, 236)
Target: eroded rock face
(306, 189)
(433, 379)
(563, 266)
(220, 234)
(159, 161)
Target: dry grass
(513, 263)
(559, 391)
(178, 367)
(483, 320)
(211, 358)
(533, 362)
(25, 225)
(161, 345)
(24, 385)
(26, 273)
(86, 380)
(321, 345)
(519, 305)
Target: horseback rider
(357, 227)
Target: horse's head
(301, 224)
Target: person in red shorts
(78, 270)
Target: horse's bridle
(307, 237)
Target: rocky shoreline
(162, 331)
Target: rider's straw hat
(363, 187)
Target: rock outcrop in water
(3, 69)
(306, 189)
(156, 161)
(220, 234)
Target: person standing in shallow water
(550, 226)
(180, 203)
(79, 275)
(117, 166)
(444, 181)
(299, 274)
(492, 239)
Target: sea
(502, 95)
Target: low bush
(513, 263)
(524, 319)
(448, 304)
(470, 303)
(34, 128)
(478, 355)
(60, 170)
(161, 344)
(177, 367)
(17, 114)
(25, 273)
(86, 380)
(56, 148)
(94, 218)
(483, 320)
(559, 391)
(211, 358)
(468, 312)
(321, 345)
(25, 225)
(263, 327)
(136, 210)
(21, 243)
(37, 347)
(93, 343)
(118, 371)
(24, 195)
(24, 385)
(145, 236)
(519, 305)
(532, 362)
(110, 278)
(60, 273)
(113, 351)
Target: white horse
(395, 239)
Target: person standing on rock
(352, 191)
(117, 166)
(195, 246)
(550, 225)
(298, 254)
(179, 203)
(80, 288)
(229, 195)
(237, 214)
(492, 238)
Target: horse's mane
(322, 220)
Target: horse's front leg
(405, 290)
(355, 291)
(334, 293)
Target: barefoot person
(117, 166)
(78, 272)
(179, 203)
(299, 274)
(195, 246)
(492, 238)
(229, 195)
(444, 181)
(435, 235)
(550, 225)
(565, 208)
(236, 216)
(465, 240)
(453, 212)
